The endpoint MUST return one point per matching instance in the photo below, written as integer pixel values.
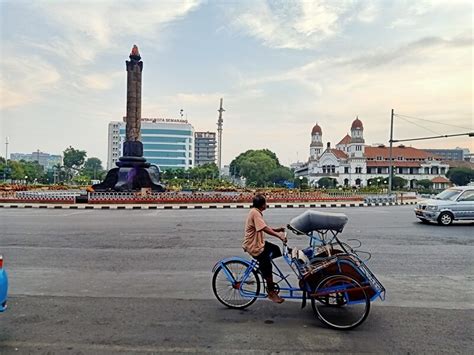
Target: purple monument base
(133, 173)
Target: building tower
(316, 145)
(356, 145)
(220, 121)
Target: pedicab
(331, 273)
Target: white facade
(114, 151)
(168, 143)
(352, 163)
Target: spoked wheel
(340, 302)
(229, 292)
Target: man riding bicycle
(261, 250)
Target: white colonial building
(352, 163)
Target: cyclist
(257, 247)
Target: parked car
(3, 286)
(455, 203)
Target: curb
(201, 206)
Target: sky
(281, 67)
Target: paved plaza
(108, 281)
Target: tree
(93, 168)
(425, 184)
(280, 175)
(327, 182)
(73, 159)
(259, 167)
(460, 176)
(398, 182)
(33, 170)
(17, 171)
(202, 172)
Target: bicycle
(330, 273)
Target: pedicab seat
(310, 221)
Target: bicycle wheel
(340, 302)
(228, 292)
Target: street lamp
(26, 179)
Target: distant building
(205, 145)
(353, 163)
(167, 143)
(115, 144)
(44, 159)
(447, 154)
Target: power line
(469, 134)
(423, 119)
(416, 124)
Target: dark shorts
(270, 251)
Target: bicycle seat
(310, 221)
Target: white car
(455, 203)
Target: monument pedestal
(133, 172)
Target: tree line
(259, 168)
(76, 168)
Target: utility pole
(6, 160)
(220, 121)
(390, 169)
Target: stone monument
(133, 172)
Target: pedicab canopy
(312, 221)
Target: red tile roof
(338, 153)
(406, 152)
(357, 124)
(316, 129)
(440, 179)
(345, 140)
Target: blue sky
(281, 66)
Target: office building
(167, 143)
(447, 154)
(44, 159)
(204, 148)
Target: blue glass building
(166, 143)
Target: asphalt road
(94, 281)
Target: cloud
(99, 81)
(25, 80)
(87, 28)
(430, 78)
(413, 51)
(77, 34)
(298, 24)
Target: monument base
(132, 174)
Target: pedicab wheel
(229, 293)
(340, 302)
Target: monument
(133, 172)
